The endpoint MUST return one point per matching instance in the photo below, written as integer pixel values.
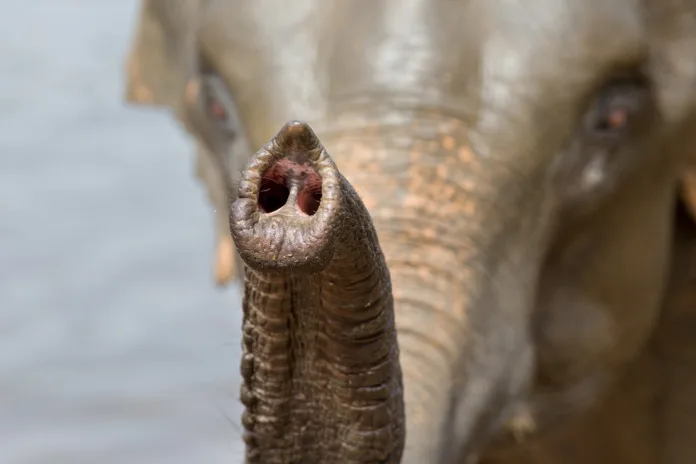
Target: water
(115, 347)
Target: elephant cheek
(573, 335)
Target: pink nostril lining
(309, 201)
(273, 193)
(274, 190)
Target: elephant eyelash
(616, 108)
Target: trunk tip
(297, 141)
(287, 212)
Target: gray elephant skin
(464, 226)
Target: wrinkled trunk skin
(320, 354)
(440, 220)
(453, 240)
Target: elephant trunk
(320, 367)
(459, 233)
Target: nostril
(309, 197)
(309, 201)
(273, 193)
(277, 182)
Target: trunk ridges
(321, 379)
(439, 217)
(310, 367)
(438, 213)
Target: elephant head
(468, 239)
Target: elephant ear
(163, 53)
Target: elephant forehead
(547, 39)
(540, 61)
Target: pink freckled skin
(309, 195)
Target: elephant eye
(216, 109)
(218, 102)
(618, 107)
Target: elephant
(164, 70)
(464, 229)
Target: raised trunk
(456, 237)
(320, 367)
(456, 232)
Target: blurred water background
(115, 346)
